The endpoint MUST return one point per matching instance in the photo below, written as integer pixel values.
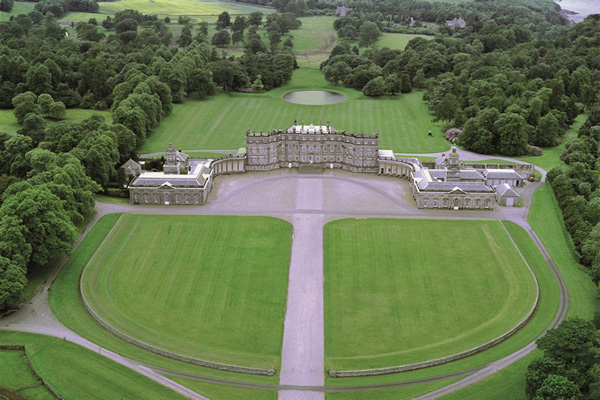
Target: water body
(314, 97)
(577, 10)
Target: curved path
(316, 200)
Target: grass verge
(78, 373)
(222, 392)
(546, 219)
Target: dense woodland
(52, 168)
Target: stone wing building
(172, 186)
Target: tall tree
(368, 34)
(49, 230)
(513, 137)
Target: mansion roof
(505, 190)
(197, 178)
(431, 181)
(501, 174)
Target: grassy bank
(78, 373)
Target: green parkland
(221, 121)
(200, 286)
(404, 291)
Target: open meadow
(189, 8)
(403, 291)
(8, 122)
(199, 286)
(221, 121)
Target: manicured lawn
(398, 40)
(66, 305)
(205, 286)
(546, 219)
(403, 291)
(181, 7)
(542, 318)
(508, 383)
(402, 392)
(221, 121)
(8, 122)
(78, 373)
(19, 7)
(222, 392)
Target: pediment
(166, 185)
(457, 190)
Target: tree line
(52, 167)
(504, 83)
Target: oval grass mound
(404, 291)
(209, 287)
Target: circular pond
(314, 97)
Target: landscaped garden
(404, 291)
(402, 121)
(196, 285)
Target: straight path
(303, 334)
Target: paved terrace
(308, 202)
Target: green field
(19, 7)
(398, 40)
(546, 219)
(313, 41)
(403, 291)
(18, 377)
(66, 304)
(78, 373)
(221, 122)
(401, 392)
(8, 122)
(196, 285)
(508, 383)
(181, 7)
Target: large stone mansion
(445, 184)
